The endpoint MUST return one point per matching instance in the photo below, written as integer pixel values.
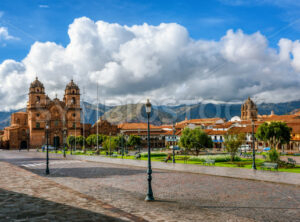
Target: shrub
(216, 158)
(273, 156)
(154, 154)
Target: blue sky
(48, 20)
(218, 50)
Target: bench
(114, 155)
(209, 162)
(269, 166)
(291, 161)
(246, 155)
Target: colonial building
(249, 110)
(28, 129)
(104, 127)
(157, 133)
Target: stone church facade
(28, 129)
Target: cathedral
(55, 118)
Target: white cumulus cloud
(4, 35)
(161, 62)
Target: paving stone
(179, 196)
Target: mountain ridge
(167, 114)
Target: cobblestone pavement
(25, 196)
(180, 196)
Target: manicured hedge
(153, 154)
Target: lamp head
(148, 107)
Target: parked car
(44, 147)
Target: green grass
(221, 160)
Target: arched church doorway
(23, 145)
(56, 141)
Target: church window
(56, 122)
(74, 115)
(73, 100)
(37, 90)
(73, 125)
(37, 114)
(37, 125)
(73, 91)
(38, 99)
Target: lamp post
(109, 143)
(253, 147)
(149, 196)
(122, 138)
(173, 143)
(27, 134)
(71, 143)
(47, 156)
(64, 145)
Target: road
(179, 196)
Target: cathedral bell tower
(249, 110)
(37, 96)
(72, 101)
(36, 108)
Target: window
(37, 90)
(37, 125)
(56, 123)
(73, 114)
(74, 125)
(37, 114)
(38, 99)
(73, 100)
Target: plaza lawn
(242, 163)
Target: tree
(110, 143)
(275, 133)
(134, 140)
(232, 143)
(121, 141)
(195, 139)
(92, 139)
(80, 140)
(71, 140)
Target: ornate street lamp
(122, 138)
(27, 134)
(253, 147)
(149, 196)
(71, 143)
(174, 143)
(47, 156)
(109, 143)
(64, 139)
